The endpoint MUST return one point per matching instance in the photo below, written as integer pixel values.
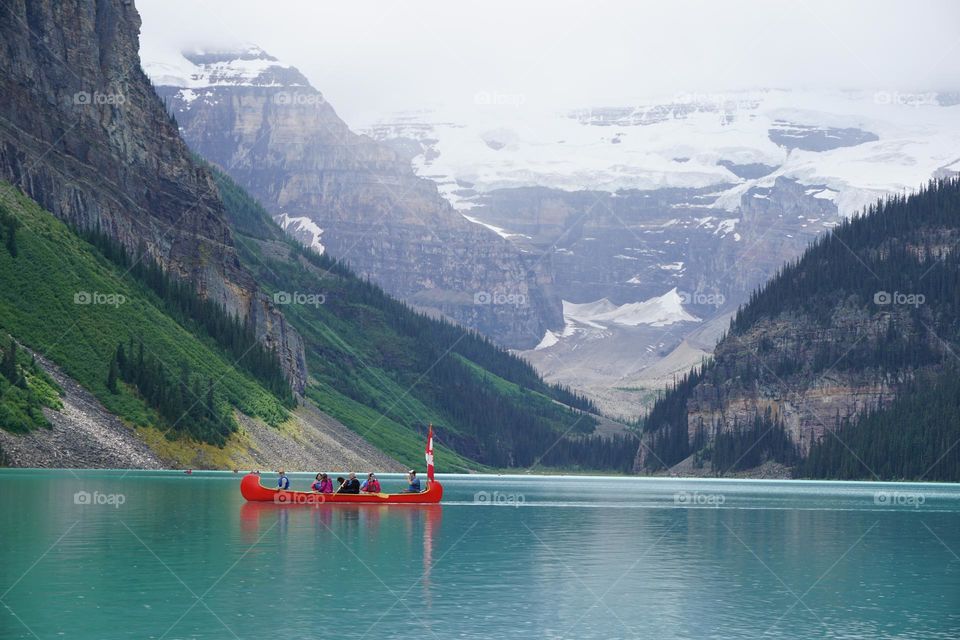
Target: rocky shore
(84, 435)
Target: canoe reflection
(344, 523)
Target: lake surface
(166, 555)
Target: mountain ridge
(286, 145)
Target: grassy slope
(37, 306)
(21, 408)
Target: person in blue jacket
(283, 482)
(413, 481)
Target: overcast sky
(375, 57)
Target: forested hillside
(386, 370)
(62, 296)
(843, 365)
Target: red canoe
(253, 491)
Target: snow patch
(726, 226)
(823, 194)
(659, 311)
(303, 229)
(188, 95)
(549, 339)
(500, 231)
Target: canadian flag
(429, 454)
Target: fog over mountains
(372, 59)
(549, 205)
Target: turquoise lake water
(166, 555)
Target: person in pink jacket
(322, 484)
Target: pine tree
(11, 243)
(211, 408)
(121, 358)
(8, 366)
(113, 374)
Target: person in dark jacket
(352, 485)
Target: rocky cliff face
(636, 246)
(277, 137)
(83, 132)
(806, 398)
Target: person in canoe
(283, 482)
(352, 485)
(371, 484)
(322, 484)
(413, 483)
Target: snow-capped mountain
(862, 145)
(701, 196)
(245, 66)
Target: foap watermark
(702, 298)
(283, 98)
(291, 497)
(905, 99)
(913, 499)
(697, 499)
(96, 498)
(97, 297)
(499, 498)
(499, 298)
(84, 98)
(296, 297)
(499, 99)
(884, 298)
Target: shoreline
(559, 476)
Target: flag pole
(429, 454)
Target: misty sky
(371, 58)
